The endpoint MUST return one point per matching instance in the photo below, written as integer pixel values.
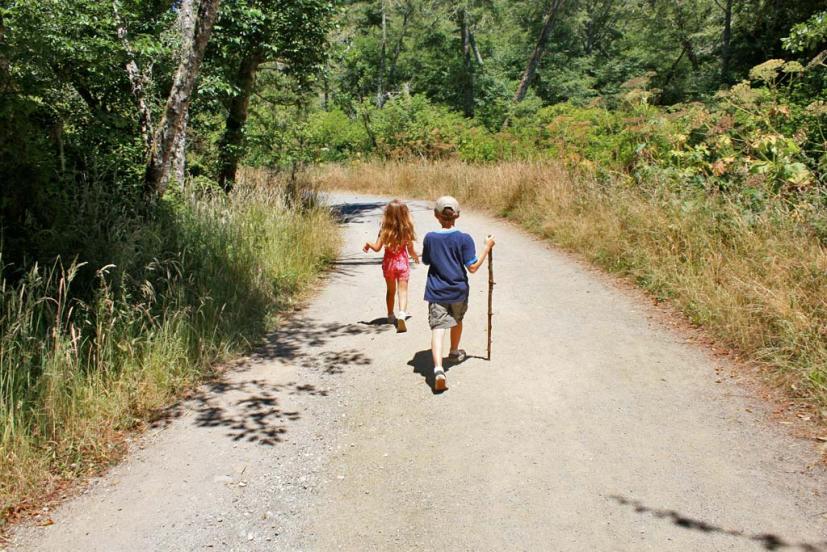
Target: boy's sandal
(459, 356)
(440, 382)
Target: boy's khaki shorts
(443, 316)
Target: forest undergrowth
(87, 355)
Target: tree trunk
(689, 48)
(539, 49)
(5, 78)
(183, 85)
(683, 35)
(467, 65)
(326, 86)
(474, 48)
(179, 156)
(406, 17)
(232, 142)
(179, 151)
(725, 45)
(380, 81)
(671, 72)
(136, 81)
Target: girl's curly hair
(397, 227)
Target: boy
(448, 252)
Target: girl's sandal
(401, 327)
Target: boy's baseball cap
(446, 202)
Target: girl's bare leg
(403, 295)
(390, 294)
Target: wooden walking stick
(490, 297)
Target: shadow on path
(350, 265)
(376, 261)
(767, 540)
(251, 409)
(350, 213)
(423, 364)
(299, 340)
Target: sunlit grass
(74, 375)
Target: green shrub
(756, 142)
(335, 136)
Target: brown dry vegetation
(757, 283)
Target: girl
(396, 235)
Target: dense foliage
(73, 148)
(123, 276)
(720, 95)
(690, 47)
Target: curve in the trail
(593, 428)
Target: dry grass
(756, 283)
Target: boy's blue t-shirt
(447, 252)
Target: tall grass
(77, 368)
(756, 281)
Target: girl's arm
(412, 252)
(375, 246)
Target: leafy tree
(286, 35)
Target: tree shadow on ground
(251, 409)
(347, 266)
(350, 213)
(767, 540)
(298, 340)
(350, 261)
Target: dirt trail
(594, 428)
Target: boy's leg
(390, 295)
(456, 354)
(437, 336)
(439, 318)
(456, 335)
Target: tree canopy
(120, 96)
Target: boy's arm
(489, 244)
(426, 251)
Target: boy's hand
(489, 242)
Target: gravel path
(594, 428)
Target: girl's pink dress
(396, 264)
